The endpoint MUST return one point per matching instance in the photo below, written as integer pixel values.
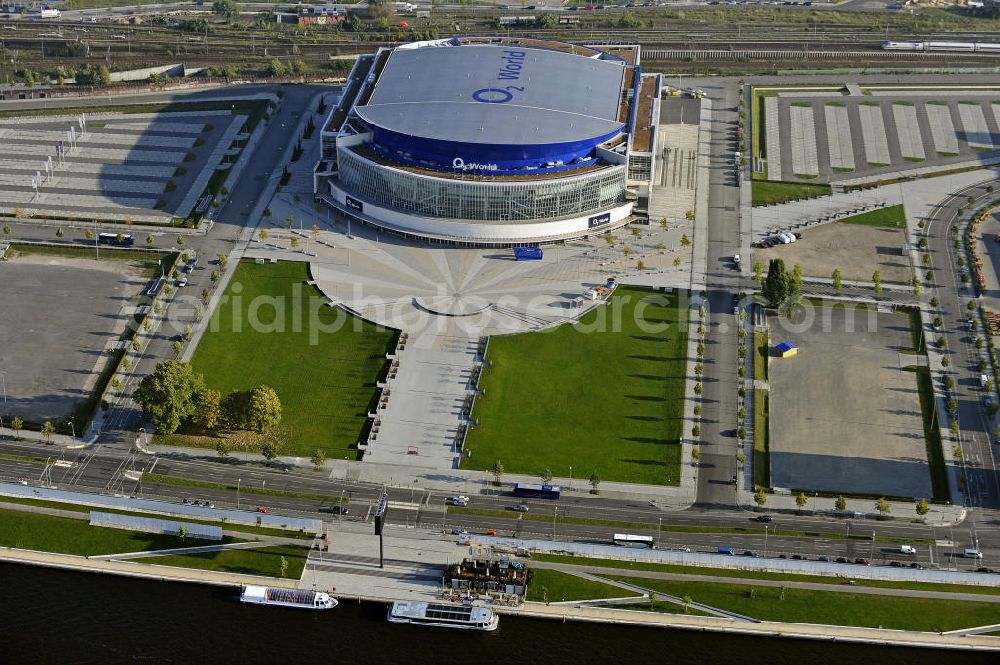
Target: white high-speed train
(968, 47)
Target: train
(966, 47)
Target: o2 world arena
(491, 141)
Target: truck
(404, 6)
(49, 13)
(528, 254)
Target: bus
(628, 540)
(117, 239)
(537, 491)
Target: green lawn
(830, 607)
(601, 395)
(763, 575)
(761, 352)
(554, 586)
(322, 364)
(891, 217)
(771, 191)
(932, 436)
(264, 561)
(65, 535)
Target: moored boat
(467, 617)
(297, 598)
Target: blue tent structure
(786, 350)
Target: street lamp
(659, 523)
(765, 541)
(238, 481)
(554, 513)
(3, 378)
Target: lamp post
(238, 481)
(659, 524)
(555, 512)
(765, 541)
(3, 379)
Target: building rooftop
(496, 94)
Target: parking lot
(844, 414)
(56, 326)
(147, 167)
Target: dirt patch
(856, 249)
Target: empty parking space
(845, 414)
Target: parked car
(264, 509)
(750, 553)
(457, 531)
(188, 502)
(862, 562)
(823, 557)
(841, 559)
(797, 557)
(182, 280)
(340, 510)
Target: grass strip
(228, 526)
(553, 586)
(765, 575)
(65, 535)
(264, 561)
(767, 192)
(932, 435)
(890, 217)
(829, 607)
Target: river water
(54, 616)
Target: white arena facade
(491, 141)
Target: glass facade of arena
(511, 201)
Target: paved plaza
(71, 308)
(144, 167)
(829, 137)
(844, 414)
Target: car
(182, 280)
(340, 510)
(458, 500)
(264, 510)
(914, 565)
(458, 531)
(520, 508)
(862, 562)
(823, 557)
(984, 569)
(683, 548)
(896, 564)
(841, 559)
(782, 556)
(797, 557)
(189, 502)
(491, 532)
(750, 553)
(763, 518)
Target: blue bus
(528, 254)
(537, 491)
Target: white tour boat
(468, 617)
(298, 598)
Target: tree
(760, 497)
(546, 476)
(877, 281)
(222, 260)
(284, 566)
(182, 532)
(685, 241)
(215, 276)
(497, 470)
(178, 349)
(48, 429)
(264, 409)
(776, 284)
(741, 458)
(208, 408)
(840, 504)
(16, 424)
(801, 500)
(263, 234)
(168, 393)
(319, 456)
(687, 600)
(60, 233)
(837, 283)
(270, 450)
(696, 452)
(882, 506)
(288, 222)
(595, 482)
(88, 234)
(923, 507)
(150, 240)
(6, 229)
(294, 242)
(226, 8)
(235, 409)
(223, 447)
(934, 302)
(758, 272)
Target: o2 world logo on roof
(510, 70)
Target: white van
(907, 549)
(972, 554)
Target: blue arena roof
(513, 106)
